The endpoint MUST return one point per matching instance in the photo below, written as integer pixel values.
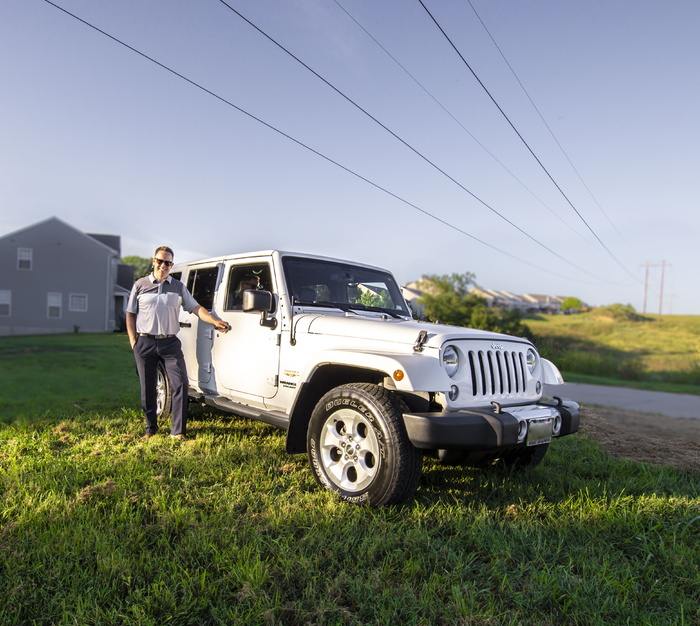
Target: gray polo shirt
(157, 305)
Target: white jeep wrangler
(328, 350)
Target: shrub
(621, 313)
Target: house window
(5, 303)
(54, 304)
(24, 258)
(78, 302)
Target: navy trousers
(148, 352)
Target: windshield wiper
(324, 303)
(375, 309)
(346, 308)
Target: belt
(156, 336)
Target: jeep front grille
(497, 372)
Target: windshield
(313, 281)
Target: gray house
(56, 279)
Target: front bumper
(492, 428)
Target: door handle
(185, 325)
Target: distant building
(544, 304)
(412, 295)
(57, 279)
(527, 303)
(501, 299)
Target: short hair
(164, 249)
(249, 277)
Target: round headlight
(531, 359)
(450, 361)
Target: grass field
(58, 375)
(99, 527)
(614, 343)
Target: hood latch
(420, 342)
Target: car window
(202, 285)
(244, 277)
(331, 282)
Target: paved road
(657, 402)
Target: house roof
(543, 299)
(59, 222)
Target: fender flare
(420, 371)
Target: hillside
(616, 342)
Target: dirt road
(643, 437)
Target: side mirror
(262, 302)
(258, 301)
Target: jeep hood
(383, 329)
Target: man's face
(249, 283)
(162, 263)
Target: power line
(330, 160)
(522, 139)
(302, 144)
(409, 146)
(551, 132)
(462, 126)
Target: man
(248, 282)
(152, 321)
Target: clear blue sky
(106, 140)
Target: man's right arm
(131, 328)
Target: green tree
(446, 299)
(380, 299)
(142, 266)
(571, 304)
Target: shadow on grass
(571, 465)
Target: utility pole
(646, 286)
(663, 266)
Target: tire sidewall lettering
(318, 466)
(366, 412)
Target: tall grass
(659, 351)
(98, 526)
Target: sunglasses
(163, 262)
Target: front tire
(358, 446)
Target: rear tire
(164, 394)
(525, 457)
(358, 446)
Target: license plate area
(539, 431)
